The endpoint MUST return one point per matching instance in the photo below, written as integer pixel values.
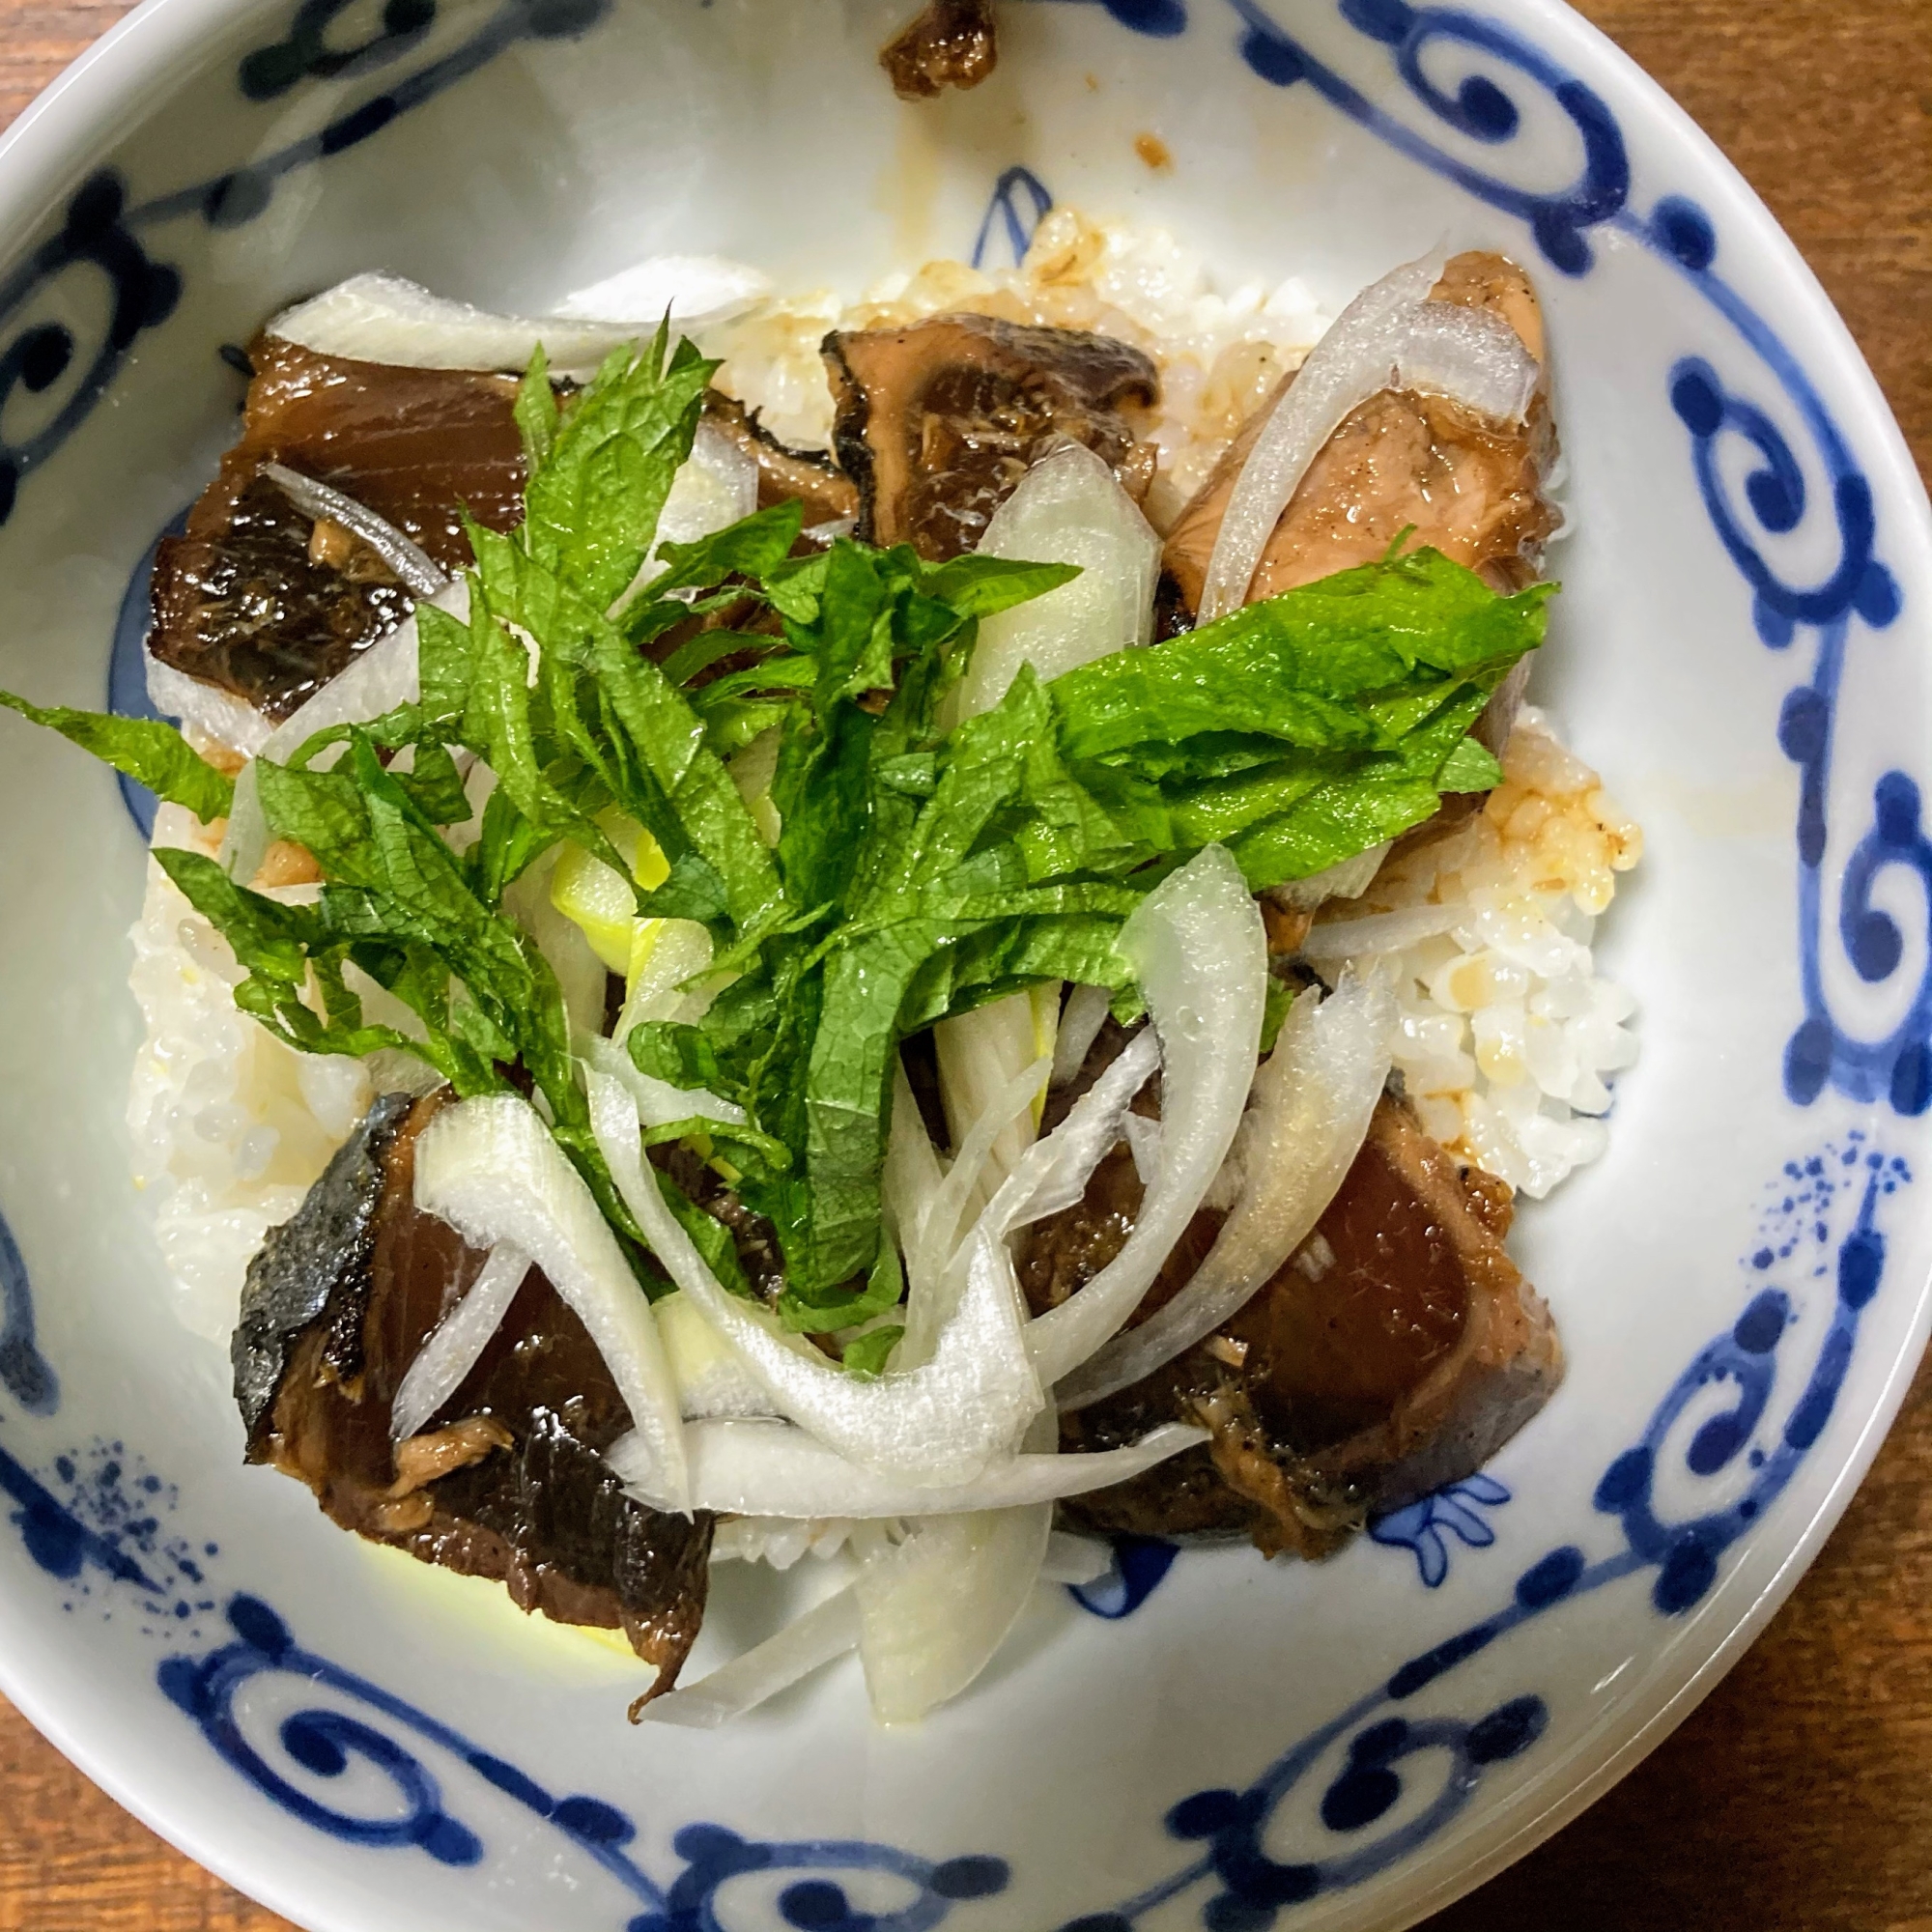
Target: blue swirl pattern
(1858, 589)
(1680, 1554)
(323, 1741)
(101, 232)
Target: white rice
(1220, 354)
(231, 1128)
(1509, 1035)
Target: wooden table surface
(1800, 1795)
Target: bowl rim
(51, 143)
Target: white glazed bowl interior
(1740, 1283)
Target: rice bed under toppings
(1508, 1035)
(231, 1128)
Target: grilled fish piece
(1397, 1350)
(1469, 487)
(784, 474)
(508, 1479)
(263, 602)
(938, 422)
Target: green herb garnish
(917, 873)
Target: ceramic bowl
(1741, 1283)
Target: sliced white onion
(826, 1631)
(796, 1651)
(1312, 1103)
(422, 574)
(380, 318)
(1004, 1128)
(1348, 879)
(1391, 336)
(1470, 353)
(938, 1424)
(716, 488)
(1379, 933)
(772, 1469)
(908, 1187)
(1054, 1174)
(658, 1103)
(779, 1542)
(1075, 1559)
(1144, 1144)
(1081, 1020)
(1199, 954)
(1069, 508)
(934, 1607)
(658, 988)
(452, 1350)
(491, 1168)
(580, 975)
(1499, 720)
(693, 289)
(711, 1380)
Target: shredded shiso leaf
(917, 873)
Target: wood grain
(1799, 1796)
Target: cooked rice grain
(1508, 1035)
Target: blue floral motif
(1455, 1509)
(1682, 1556)
(1019, 205)
(322, 1741)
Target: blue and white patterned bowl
(1742, 1284)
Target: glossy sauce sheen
(238, 599)
(1332, 1348)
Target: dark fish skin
(936, 423)
(1395, 1352)
(250, 597)
(311, 1271)
(508, 1479)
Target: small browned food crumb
(1287, 927)
(330, 544)
(427, 1458)
(225, 758)
(952, 44)
(406, 1514)
(1227, 1348)
(1092, 83)
(1154, 150)
(287, 863)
